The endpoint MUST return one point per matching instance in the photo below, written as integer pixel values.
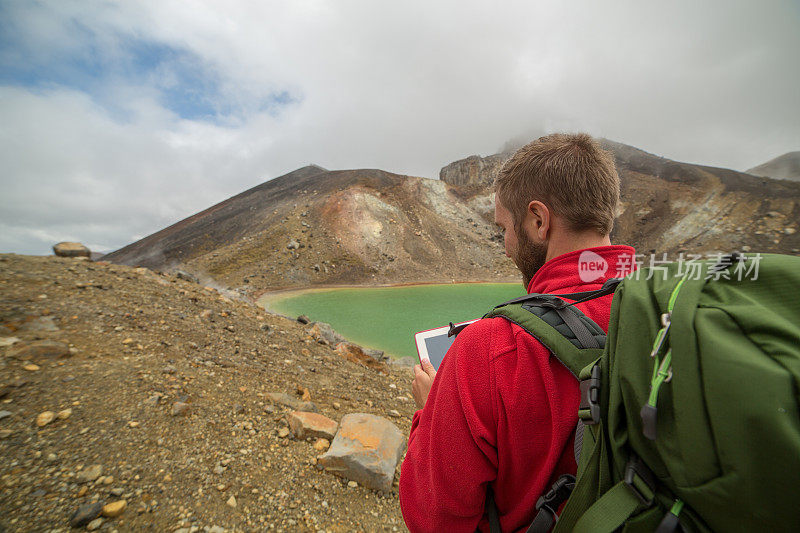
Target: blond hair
(575, 178)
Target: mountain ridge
(785, 167)
(318, 227)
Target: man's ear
(539, 219)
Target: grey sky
(118, 119)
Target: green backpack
(689, 413)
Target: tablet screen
(434, 343)
(437, 346)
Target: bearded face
(529, 256)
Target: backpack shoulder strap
(567, 333)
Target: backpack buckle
(552, 500)
(559, 492)
(640, 480)
(589, 409)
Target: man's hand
(423, 379)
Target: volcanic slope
(673, 207)
(319, 227)
(164, 391)
(785, 167)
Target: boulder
(355, 353)
(71, 249)
(304, 425)
(323, 333)
(366, 449)
(378, 355)
(39, 349)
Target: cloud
(121, 118)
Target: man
(501, 412)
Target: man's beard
(530, 256)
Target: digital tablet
(432, 344)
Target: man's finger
(417, 369)
(427, 367)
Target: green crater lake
(386, 318)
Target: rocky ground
(124, 385)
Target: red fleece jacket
(502, 412)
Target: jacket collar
(591, 266)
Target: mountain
(673, 207)
(784, 167)
(319, 227)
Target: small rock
(180, 409)
(231, 501)
(352, 484)
(186, 276)
(322, 445)
(82, 492)
(64, 414)
(5, 433)
(5, 414)
(395, 413)
(114, 509)
(337, 405)
(289, 401)
(85, 514)
(8, 341)
(304, 425)
(790, 231)
(303, 319)
(153, 400)
(293, 245)
(238, 408)
(128, 341)
(45, 418)
(133, 424)
(31, 367)
(39, 323)
(39, 349)
(90, 473)
(71, 249)
(219, 469)
(116, 491)
(283, 433)
(94, 525)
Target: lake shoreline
(295, 291)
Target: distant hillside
(315, 227)
(672, 207)
(319, 227)
(785, 167)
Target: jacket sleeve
(452, 449)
